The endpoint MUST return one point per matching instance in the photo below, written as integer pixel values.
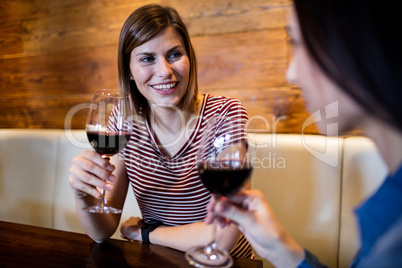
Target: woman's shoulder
(223, 106)
(221, 100)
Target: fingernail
(112, 178)
(222, 207)
(109, 187)
(110, 168)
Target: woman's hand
(131, 229)
(88, 171)
(256, 220)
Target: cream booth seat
(304, 190)
(312, 182)
(27, 175)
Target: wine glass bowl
(109, 127)
(224, 177)
(224, 166)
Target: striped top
(169, 189)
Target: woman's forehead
(165, 39)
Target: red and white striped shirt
(169, 189)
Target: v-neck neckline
(155, 140)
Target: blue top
(380, 220)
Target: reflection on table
(30, 246)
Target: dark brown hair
(141, 26)
(357, 44)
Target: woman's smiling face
(161, 69)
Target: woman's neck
(388, 141)
(169, 120)
(172, 119)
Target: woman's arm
(196, 234)
(182, 237)
(88, 172)
(185, 236)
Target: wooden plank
(278, 110)
(270, 110)
(13, 10)
(49, 112)
(72, 72)
(86, 29)
(217, 17)
(28, 9)
(55, 52)
(251, 59)
(93, 27)
(274, 110)
(11, 38)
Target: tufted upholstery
(304, 192)
(312, 182)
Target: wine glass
(109, 127)
(224, 165)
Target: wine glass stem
(102, 201)
(212, 244)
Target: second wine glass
(224, 165)
(109, 127)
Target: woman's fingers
(82, 189)
(88, 172)
(131, 228)
(92, 162)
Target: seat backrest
(312, 182)
(300, 176)
(27, 171)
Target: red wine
(108, 143)
(224, 177)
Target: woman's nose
(291, 75)
(164, 68)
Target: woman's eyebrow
(175, 47)
(144, 53)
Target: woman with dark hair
(157, 66)
(347, 52)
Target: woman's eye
(175, 55)
(147, 59)
(291, 41)
(294, 42)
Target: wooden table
(30, 246)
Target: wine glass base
(197, 257)
(104, 210)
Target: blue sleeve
(309, 261)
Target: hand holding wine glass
(224, 165)
(109, 127)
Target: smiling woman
(136, 46)
(157, 66)
(160, 69)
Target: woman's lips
(165, 88)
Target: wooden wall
(55, 53)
